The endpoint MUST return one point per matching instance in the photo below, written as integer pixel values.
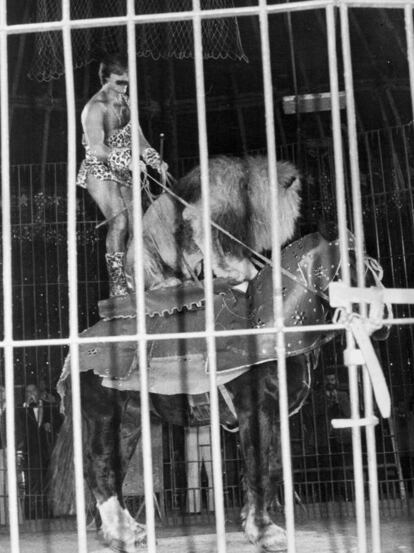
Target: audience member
(51, 408)
(38, 429)
(46, 395)
(333, 447)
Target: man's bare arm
(94, 130)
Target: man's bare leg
(110, 201)
(126, 195)
(108, 197)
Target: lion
(239, 203)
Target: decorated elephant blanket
(182, 365)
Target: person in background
(337, 400)
(46, 395)
(37, 431)
(332, 447)
(51, 406)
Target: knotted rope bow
(361, 329)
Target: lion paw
(167, 283)
(228, 273)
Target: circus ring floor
(326, 536)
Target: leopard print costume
(116, 169)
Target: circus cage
(340, 91)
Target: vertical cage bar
(342, 221)
(353, 144)
(359, 243)
(372, 464)
(277, 278)
(139, 275)
(352, 369)
(409, 31)
(73, 278)
(337, 139)
(7, 283)
(210, 323)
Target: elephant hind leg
(129, 433)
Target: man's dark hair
(112, 63)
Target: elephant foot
(262, 532)
(122, 546)
(130, 540)
(272, 538)
(120, 531)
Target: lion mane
(239, 203)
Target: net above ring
(221, 36)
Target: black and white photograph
(207, 276)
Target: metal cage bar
(142, 344)
(210, 318)
(342, 222)
(409, 31)
(359, 239)
(73, 279)
(7, 282)
(277, 277)
(367, 388)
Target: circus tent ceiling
(234, 89)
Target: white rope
(361, 329)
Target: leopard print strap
(152, 158)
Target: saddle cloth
(174, 366)
(181, 365)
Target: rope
(361, 330)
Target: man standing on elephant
(106, 169)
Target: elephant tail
(61, 474)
